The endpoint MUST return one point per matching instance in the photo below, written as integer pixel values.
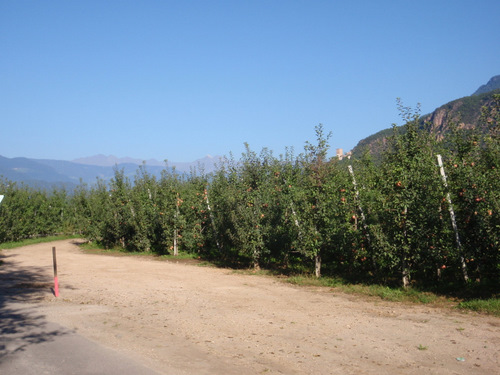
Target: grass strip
(34, 241)
(490, 306)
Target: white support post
(359, 204)
(212, 220)
(453, 218)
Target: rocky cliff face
(464, 112)
(439, 121)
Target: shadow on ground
(20, 323)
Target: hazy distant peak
(49, 173)
(99, 160)
(111, 160)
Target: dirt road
(187, 319)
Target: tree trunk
(256, 265)
(404, 274)
(317, 265)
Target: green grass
(34, 241)
(489, 306)
(182, 255)
(94, 248)
(314, 281)
(409, 295)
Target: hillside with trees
(460, 113)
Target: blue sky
(178, 80)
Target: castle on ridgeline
(340, 154)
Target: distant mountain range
(111, 160)
(50, 173)
(208, 162)
(45, 173)
(464, 111)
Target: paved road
(29, 344)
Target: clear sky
(178, 80)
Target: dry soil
(186, 319)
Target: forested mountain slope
(464, 113)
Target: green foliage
(28, 213)
(465, 110)
(34, 241)
(490, 306)
(387, 223)
(473, 165)
(410, 210)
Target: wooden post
(56, 282)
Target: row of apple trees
(400, 220)
(27, 212)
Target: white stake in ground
(351, 171)
(453, 219)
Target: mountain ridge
(465, 112)
(47, 173)
(492, 84)
(112, 160)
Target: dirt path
(185, 319)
